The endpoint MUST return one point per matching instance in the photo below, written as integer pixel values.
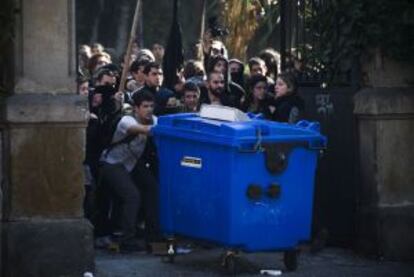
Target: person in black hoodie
(287, 105)
(236, 68)
(104, 108)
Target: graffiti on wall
(324, 106)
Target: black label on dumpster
(191, 162)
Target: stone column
(44, 233)
(385, 127)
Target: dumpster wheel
(229, 262)
(171, 252)
(290, 259)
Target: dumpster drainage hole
(273, 191)
(254, 192)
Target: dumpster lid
(223, 113)
(191, 126)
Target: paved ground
(202, 262)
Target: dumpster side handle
(257, 147)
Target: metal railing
(299, 45)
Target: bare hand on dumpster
(139, 130)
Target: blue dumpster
(243, 185)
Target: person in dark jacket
(236, 68)
(234, 94)
(153, 80)
(257, 100)
(272, 60)
(287, 105)
(258, 66)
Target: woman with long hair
(287, 105)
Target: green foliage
(348, 28)
(268, 31)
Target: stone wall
(44, 233)
(382, 71)
(385, 122)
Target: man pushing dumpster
(128, 180)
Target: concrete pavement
(206, 262)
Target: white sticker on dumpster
(191, 162)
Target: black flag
(173, 58)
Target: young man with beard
(215, 87)
(234, 94)
(127, 178)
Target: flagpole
(127, 56)
(203, 19)
(202, 29)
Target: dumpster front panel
(193, 192)
(272, 221)
(204, 196)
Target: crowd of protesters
(121, 161)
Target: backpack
(107, 130)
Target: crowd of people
(121, 161)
